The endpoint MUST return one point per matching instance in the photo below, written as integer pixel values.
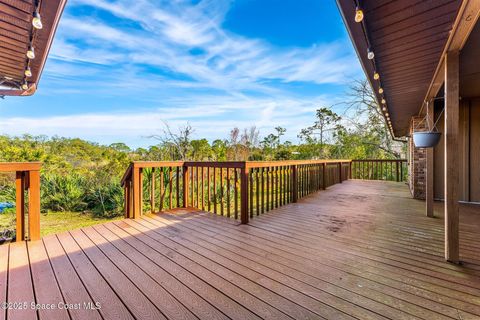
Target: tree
(178, 142)
(326, 122)
(368, 135)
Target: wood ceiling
(408, 38)
(16, 34)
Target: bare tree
(365, 117)
(178, 142)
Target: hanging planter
(426, 139)
(430, 138)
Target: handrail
(27, 183)
(238, 189)
(380, 169)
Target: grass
(55, 222)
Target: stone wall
(417, 161)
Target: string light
(384, 101)
(37, 20)
(376, 76)
(370, 54)
(384, 109)
(28, 72)
(31, 52)
(380, 90)
(358, 15)
(25, 85)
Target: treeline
(78, 175)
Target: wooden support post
(324, 176)
(137, 192)
(451, 156)
(152, 191)
(34, 205)
(350, 170)
(20, 205)
(429, 168)
(185, 187)
(294, 183)
(244, 195)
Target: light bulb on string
(25, 85)
(358, 15)
(370, 54)
(376, 76)
(384, 101)
(37, 20)
(380, 90)
(31, 52)
(28, 72)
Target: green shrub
(63, 193)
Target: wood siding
(469, 152)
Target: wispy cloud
(170, 30)
(174, 61)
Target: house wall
(416, 161)
(469, 153)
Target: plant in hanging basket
(426, 139)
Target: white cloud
(179, 64)
(201, 113)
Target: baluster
(252, 171)
(209, 188)
(162, 195)
(236, 192)
(152, 191)
(203, 188)
(170, 186)
(215, 190)
(244, 195)
(221, 191)
(228, 192)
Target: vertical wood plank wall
(469, 152)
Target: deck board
(359, 250)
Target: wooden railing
(380, 169)
(27, 183)
(239, 190)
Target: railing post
(294, 184)
(34, 205)
(244, 194)
(137, 192)
(20, 205)
(350, 170)
(324, 176)
(185, 186)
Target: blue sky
(119, 70)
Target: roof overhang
(408, 38)
(16, 35)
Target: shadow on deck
(361, 249)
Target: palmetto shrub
(63, 192)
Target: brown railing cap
(20, 166)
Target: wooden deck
(359, 250)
